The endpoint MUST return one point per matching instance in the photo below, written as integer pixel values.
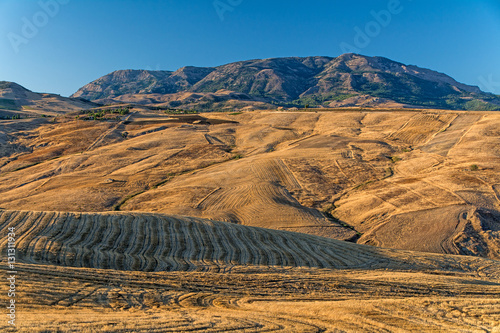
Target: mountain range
(131, 217)
(350, 80)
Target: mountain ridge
(347, 80)
(16, 100)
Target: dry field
(104, 242)
(174, 274)
(424, 181)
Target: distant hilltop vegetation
(350, 80)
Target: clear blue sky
(85, 39)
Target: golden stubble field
(141, 272)
(237, 222)
(419, 180)
(254, 300)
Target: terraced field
(128, 272)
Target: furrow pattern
(149, 242)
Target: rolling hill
(415, 180)
(15, 100)
(159, 243)
(348, 80)
(158, 273)
(147, 218)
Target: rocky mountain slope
(348, 80)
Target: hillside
(158, 243)
(146, 221)
(346, 81)
(422, 181)
(15, 100)
(157, 273)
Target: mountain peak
(11, 85)
(315, 80)
(15, 98)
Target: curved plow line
(302, 249)
(228, 249)
(229, 198)
(34, 249)
(8, 219)
(75, 254)
(261, 258)
(263, 170)
(245, 256)
(85, 237)
(70, 251)
(330, 257)
(123, 238)
(68, 227)
(205, 250)
(191, 247)
(218, 251)
(168, 254)
(179, 246)
(101, 258)
(87, 242)
(150, 262)
(206, 198)
(21, 219)
(292, 258)
(33, 223)
(314, 256)
(142, 247)
(274, 251)
(158, 243)
(207, 238)
(161, 236)
(339, 255)
(270, 257)
(238, 250)
(137, 244)
(44, 233)
(96, 240)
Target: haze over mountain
(345, 81)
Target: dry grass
(149, 242)
(255, 299)
(131, 272)
(314, 173)
(294, 166)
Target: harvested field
(342, 175)
(447, 138)
(421, 127)
(104, 243)
(176, 274)
(255, 301)
(149, 243)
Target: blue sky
(60, 45)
